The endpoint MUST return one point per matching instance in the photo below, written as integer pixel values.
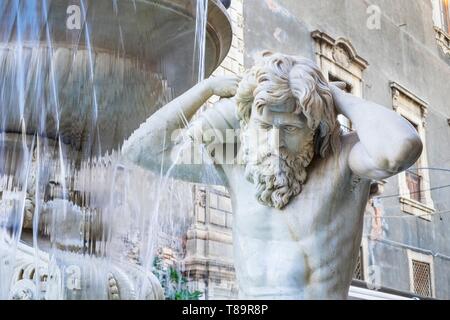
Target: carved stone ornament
(341, 56)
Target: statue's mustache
(264, 156)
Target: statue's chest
(330, 191)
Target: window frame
(441, 14)
(446, 15)
(424, 258)
(441, 21)
(338, 60)
(415, 111)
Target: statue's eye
(290, 129)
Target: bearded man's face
(278, 146)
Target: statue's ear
(321, 138)
(318, 140)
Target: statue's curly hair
(277, 77)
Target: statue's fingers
(340, 84)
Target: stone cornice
(443, 40)
(343, 43)
(398, 89)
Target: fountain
(75, 221)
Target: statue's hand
(223, 86)
(340, 84)
(338, 92)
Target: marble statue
(298, 184)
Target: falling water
(200, 37)
(76, 221)
(166, 182)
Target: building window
(441, 18)
(441, 14)
(414, 180)
(358, 274)
(339, 61)
(414, 183)
(446, 15)
(421, 273)
(422, 278)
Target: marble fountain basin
(96, 84)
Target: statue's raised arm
(388, 143)
(169, 141)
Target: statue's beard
(278, 178)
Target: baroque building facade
(396, 53)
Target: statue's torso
(307, 250)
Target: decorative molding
(398, 91)
(55, 282)
(443, 40)
(210, 235)
(416, 208)
(357, 293)
(201, 198)
(343, 52)
(338, 60)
